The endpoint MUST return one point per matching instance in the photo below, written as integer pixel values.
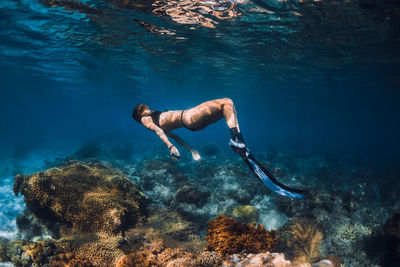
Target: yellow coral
(301, 239)
(246, 214)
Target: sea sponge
(246, 214)
(227, 236)
(301, 238)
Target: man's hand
(174, 153)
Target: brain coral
(227, 236)
(92, 203)
(88, 197)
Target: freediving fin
(264, 175)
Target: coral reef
(30, 226)
(93, 204)
(156, 253)
(26, 253)
(209, 259)
(69, 260)
(227, 236)
(246, 214)
(187, 195)
(165, 225)
(160, 180)
(3, 249)
(256, 260)
(301, 238)
(392, 235)
(86, 196)
(39, 251)
(191, 194)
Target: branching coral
(301, 238)
(227, 236)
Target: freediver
(198, 118)
(194, 119)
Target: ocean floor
(344, 216)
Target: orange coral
(69, 260)
(227, 236)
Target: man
(194, 119)
(198, 118)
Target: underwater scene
(200, 133)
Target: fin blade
(271, 182)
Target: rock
(191, 194)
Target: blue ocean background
(313, 78)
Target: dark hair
(137, 112)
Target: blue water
(310, 77)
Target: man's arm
(194, 152)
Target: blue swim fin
(263, 174)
